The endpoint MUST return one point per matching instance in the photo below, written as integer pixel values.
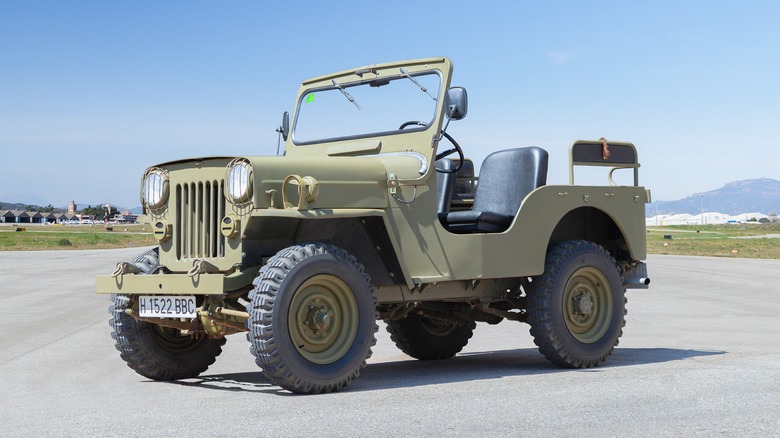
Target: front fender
(343, 182)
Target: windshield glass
(367, 108)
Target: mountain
(24, 206)
(24, 199)
(40, 206)
(747, 196)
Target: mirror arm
(437, 138)
(283, 130)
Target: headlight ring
(155, 188)
(239, 181)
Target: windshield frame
(346, 85)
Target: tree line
(29, 207)
(99, 212)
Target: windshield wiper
(344, 92)
(425, 90)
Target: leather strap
(605, 148)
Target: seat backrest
(449, 186)
(507, 177)
(464, 181)
(445, 185)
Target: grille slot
(200, 206)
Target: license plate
(166, 306)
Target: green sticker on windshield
(310, 98)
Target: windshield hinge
(393, 183)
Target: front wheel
(576, 309)
(153, 351)
(312, 318)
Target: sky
(94, 92)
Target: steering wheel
(448, 152)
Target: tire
(312, 318)
(429, 339)
(577, 307)
(156, 352)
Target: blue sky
(93, 92)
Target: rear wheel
(312, 318)
(577, 307)
(156, 352)
(429, 339)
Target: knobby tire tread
(411, 337)
(546, 336)
(262, 299)
(128, 334)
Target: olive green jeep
(374, 212)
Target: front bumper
(161, 284)
(175, 284)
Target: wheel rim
(438, 328)
(172, 340)
(323, 319)
(587, 305)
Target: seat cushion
(470, 221)
(506, 178)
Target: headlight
(155, 188)
(239, 181)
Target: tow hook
(123, 268)
(201, 266)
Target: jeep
(374, 212)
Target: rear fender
(611, 216)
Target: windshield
(367, 108)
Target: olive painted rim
(438, 327)
(323, 319)
(172, 340)
(588, 305)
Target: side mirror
(456, 102)
(284, 129)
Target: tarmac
(699, 357)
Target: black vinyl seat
(445, 185)
(464, 183)
(505, 179)
(453, 186)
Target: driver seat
(453, 187)
(505, 179)
(445, 185)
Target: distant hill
(22, 206)
(12, 206)
(747, 196)
(39, 207)
(22, 199)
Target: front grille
(200, 206)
